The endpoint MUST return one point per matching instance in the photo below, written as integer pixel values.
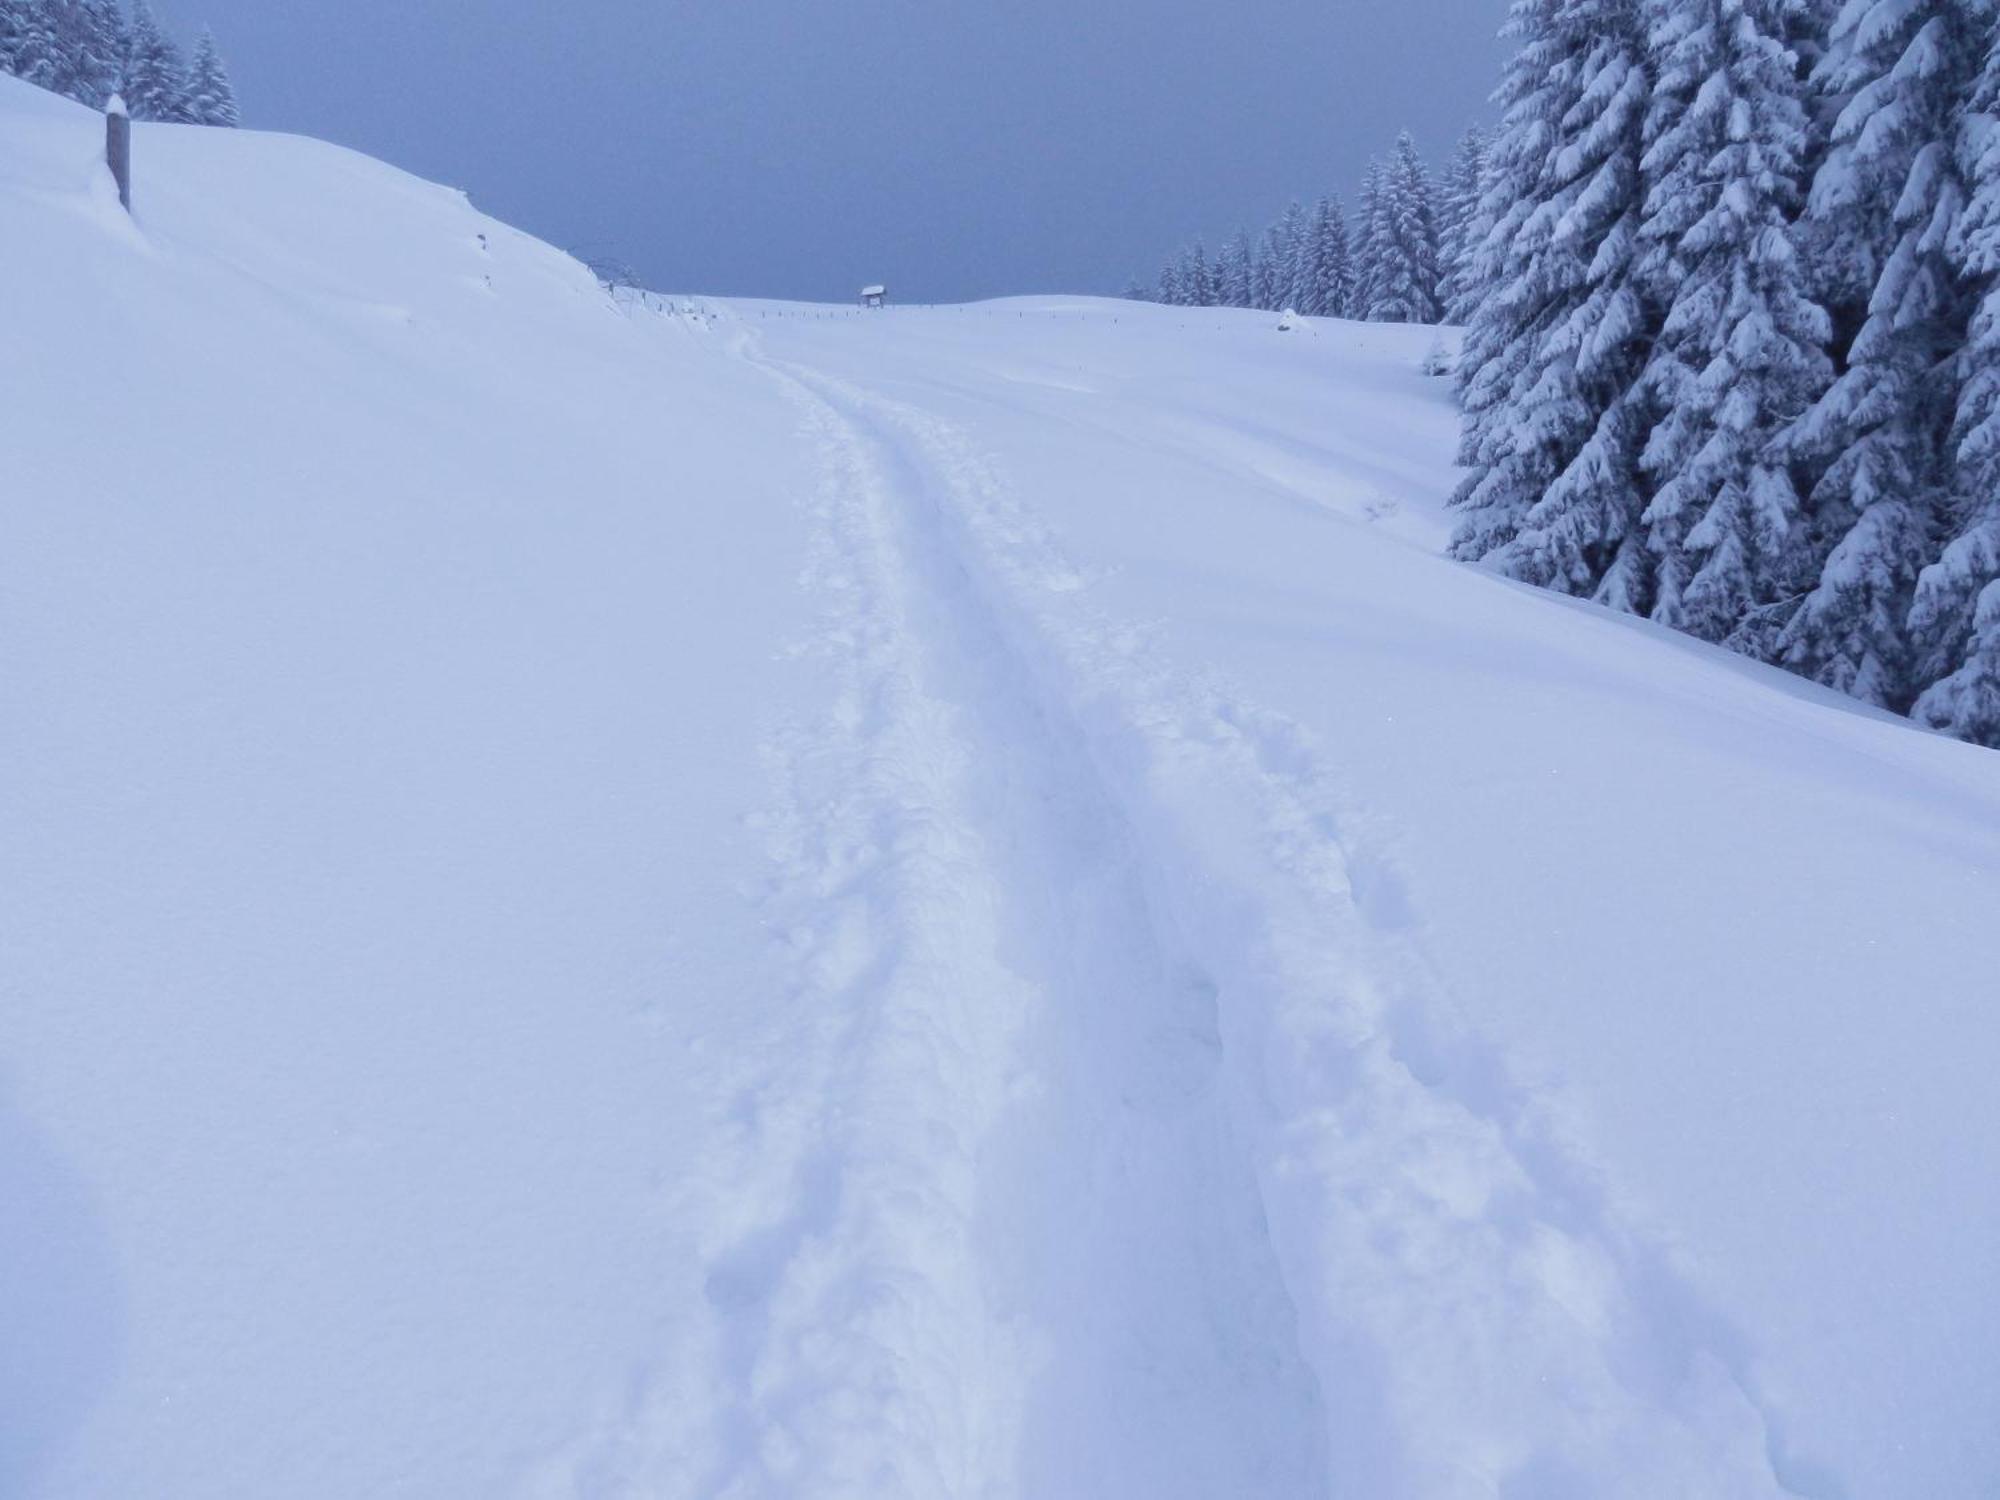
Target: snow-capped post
(118, 148)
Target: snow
(742, 899)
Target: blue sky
(802, 147)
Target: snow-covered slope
(389, 627)
(758, 900)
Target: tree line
(1733, 360)
(90, 50)
(1397, 261)
(1730, 276)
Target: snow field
(671, 897)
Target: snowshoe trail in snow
(1115, 1138)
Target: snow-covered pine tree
(1198, 277)
(101, 45)
(1881, 218)
(1404, 284)
(1954, 622)
(1741, 348)
(33, 51)
(1173, 287)
(13, 33)
(1363, 249)
(1459, 226)
(1966, 701)
(72, 47)
(1552, 432)
(211, 99)
(1232, 271)
(63, 21)
(1308, 271)
(155, 84)
(1292, 229)
(1190, 277)
(1269, 270)
(1333, 271)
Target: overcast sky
(954, 148)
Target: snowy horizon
(803, 150)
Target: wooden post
(118, 148)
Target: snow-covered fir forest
(1730, 272)
(89, 50)
(1397, 262)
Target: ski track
(1115, 1138)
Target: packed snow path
(1135, 1151)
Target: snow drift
(738, 899)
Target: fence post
(118, 148)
